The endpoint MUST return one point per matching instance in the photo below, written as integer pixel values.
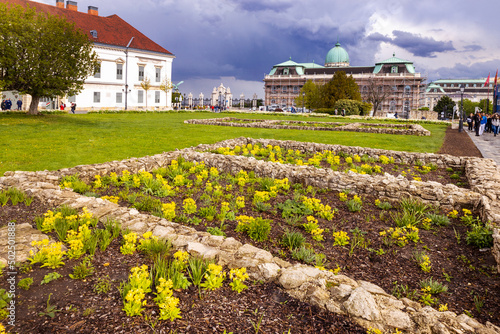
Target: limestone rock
(362, 304)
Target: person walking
(469, 121)
(8, 104)
(3, 105)
(483, 121)
(19, 105)
(477, 120)
(495, 124)
(73, 107)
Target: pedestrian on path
(73, 107)
(19, 105)
(495, 124)
(469, 121)
(477, 120)
(484, 119)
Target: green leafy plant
(50, 277)
(25, 283)
(480, 236)
(304, 254)
(438, 220)
(103, 285)
(50, 310)
(354, 205)
(215, 231)
(257, 228)
(292, 239)
(357, 240)
(83, 269)
(435, 286)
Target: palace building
(127, 57)
(395, 81)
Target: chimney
(93, 10)
(60, 3)
(72, 5)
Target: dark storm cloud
(415, 43)
(245, 38)
(466, 71)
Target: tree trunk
(34, 105)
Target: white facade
(106, 90)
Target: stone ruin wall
(400, 129)
(364, 302)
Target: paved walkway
(487, 144)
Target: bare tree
(146, 85)
(166, 86)
(376, 93)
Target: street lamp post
(303, 98)
(461, 122)
(126, 71)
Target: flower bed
(341, 292)
(401, 129)
(341, 161)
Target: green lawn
(57, 141)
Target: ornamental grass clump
(292, 239)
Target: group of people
(62, 106)
(7, 104)
(481, 122)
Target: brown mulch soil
(459, 144)
(471, 277)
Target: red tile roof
(111, 30)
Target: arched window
(273, 101)
(407, 90)
(407, 106)
(392, 106)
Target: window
(158, 74)
(284, 89)
(295, 89)
(467, 85)
(407, 106)
(407, 90)
(157, 96)
(392, 106)
(394, 88)
(475, 85)
(141, 73)
(140, 96)
(286, 71)
(394, 69)
(273, 101)
(97, 73)
(97, 97)
(119, 98)
(444, 85)
(119, 71)
(452, 85)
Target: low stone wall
(364, 302)
(400, 129)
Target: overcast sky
(236, 42)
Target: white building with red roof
(127, 57)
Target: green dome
(337, 56)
